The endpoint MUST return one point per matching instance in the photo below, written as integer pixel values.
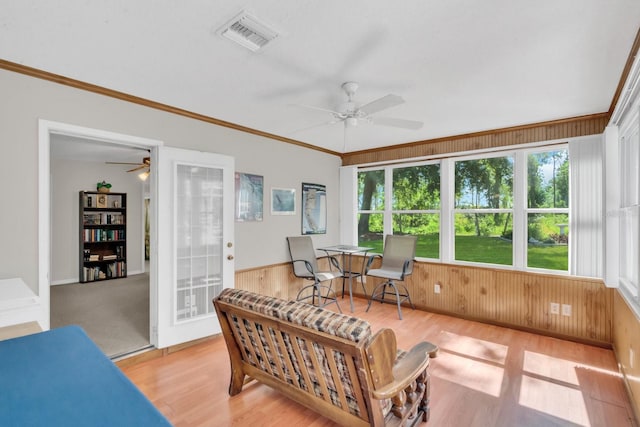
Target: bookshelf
(103, 236)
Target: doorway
(116, 314)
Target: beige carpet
(114, 313)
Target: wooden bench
(329, 362)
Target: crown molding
(67, 81)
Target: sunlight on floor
(558, 370)
(472, 347)
(558, 400)
(471, 373)
(472, 363)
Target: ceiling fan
(145, 164)
(352, 114)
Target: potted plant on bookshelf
(104, 187)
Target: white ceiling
(86, 150)
(461, 65)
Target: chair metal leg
(327, 296)
(316, 294)
(399, 297)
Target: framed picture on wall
(314, 208)
(283, 201)
(249, 197)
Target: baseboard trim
(627, 387)
(64, 282)
(76, 280)
(151, 352)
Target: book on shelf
(109, 257)
(103, 218)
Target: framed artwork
(101, 200)
(283, 201)
(314, 208)
(249, 197)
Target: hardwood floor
(483, 376)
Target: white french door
(194, 246)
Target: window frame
(629, 206)
(388, 211)
(448, 210)
(453, 210)
(528, 210)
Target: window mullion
(388, 201)
(519, 210)
(447, 197)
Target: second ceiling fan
(144, 166)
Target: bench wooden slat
(287, 358)
(294, 355)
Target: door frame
(46, 128)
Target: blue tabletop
(61, 378)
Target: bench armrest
(391, 376)
(405, 371)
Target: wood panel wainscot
(514, 299)
(627, 349)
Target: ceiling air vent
(248, 31)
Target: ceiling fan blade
(380, 104)
(398, 123)
(123, 163)
(316, 108)
(138, 168)
(330, 122)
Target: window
(505, 209)
(547, 210)
(483, 214)
(629, 232)
(416, 206)
(371, 207)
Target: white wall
(68, 178)
(25, 99)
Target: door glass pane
(198, 240)
(548, 241)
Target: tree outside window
(371, 205)
(548, 210)
(479, 226)
(483, 214)
(416, 206)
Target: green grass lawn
(491, 250)
(551, 257)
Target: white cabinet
(18, 303)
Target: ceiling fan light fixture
(351, 121)
(144, 175)
(249, 32)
